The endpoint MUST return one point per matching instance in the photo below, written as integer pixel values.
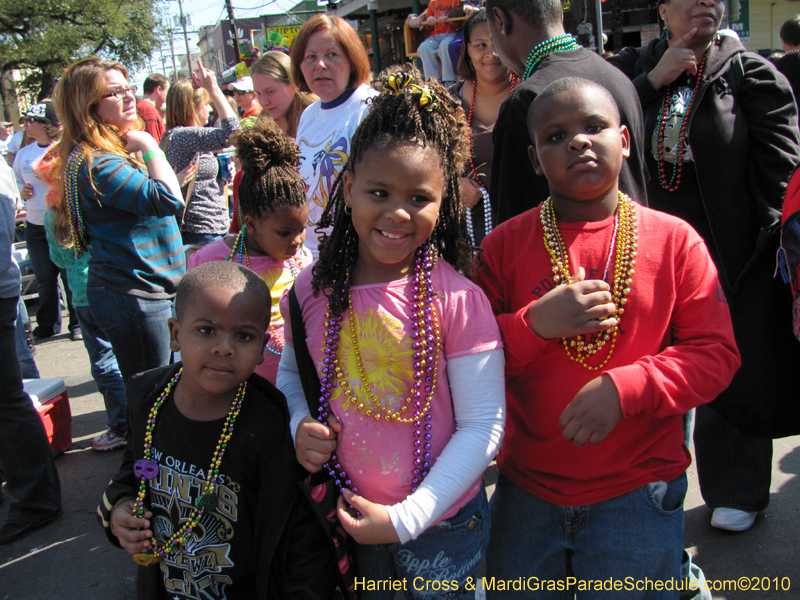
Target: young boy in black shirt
(207, 499)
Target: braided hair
(270, 178)
(407, 112)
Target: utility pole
(186, 37)
(234, 32)
(172, 51)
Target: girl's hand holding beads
(132, 532)
(569, 310)
(374, 526)
(315, 442)
(593, 413)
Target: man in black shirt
(529, 38)
(789, 63)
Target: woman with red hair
(328, 60)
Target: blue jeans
(637, 535)
(26, 363)
(449, 551)
(48, 315)
(734, 469)
(136, 327)
(28, 463)
(105, 371)
(434, 46)
(198, 239)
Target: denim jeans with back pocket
(631, 539)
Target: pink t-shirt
(278, 277)
(378, 455)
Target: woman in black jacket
(722, 126)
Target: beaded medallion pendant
(664, 116)
(561, 43)
(240, 248)
(426, 344)
(624, 245)
(146, 468)
(80, 240)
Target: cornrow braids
(408, 112)
(270, 178)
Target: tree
(41, 37)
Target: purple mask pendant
(145, 468)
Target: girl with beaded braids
(409, 356)
(274, 213)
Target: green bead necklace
(149, 469)
(561, 43)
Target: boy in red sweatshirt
(614, 327)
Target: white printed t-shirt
(323, 136)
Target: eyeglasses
(241, 93)
(32, 120)
(120, 93)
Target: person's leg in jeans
(527, 539)
(74, 324)
(28, 463)
(105, 371)
(137, 328)
(428, 51)
(448, 68)
(48, 315)
(26, 363)
(637, 535)
(734, 469)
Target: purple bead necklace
(426, 344)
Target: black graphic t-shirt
(233, 549)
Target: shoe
(733, 519)
(108, 441)
(41, 334)
(76, 335)
(12, 532)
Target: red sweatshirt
(675, 351)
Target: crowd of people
(561, 261)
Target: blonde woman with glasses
(117, 192)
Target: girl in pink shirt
(274, 213)
(409, 356)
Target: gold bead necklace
(624, 245)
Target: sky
(206, 12)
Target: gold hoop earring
(348, 210)
(435, 225)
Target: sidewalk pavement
(72, 560)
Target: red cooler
(52, 403)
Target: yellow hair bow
(404, 82)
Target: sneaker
(108, 441)
(733, 519)
(76, 335)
